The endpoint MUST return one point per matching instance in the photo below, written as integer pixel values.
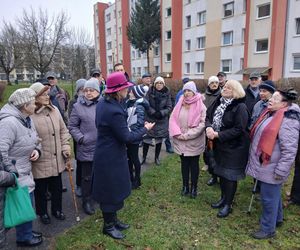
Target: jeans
(24, 231)
(271, 206)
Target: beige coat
(55, 139)
(192, 142)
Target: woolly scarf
(219, 112)
(194, 116)
(269, 134)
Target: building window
(227, 38)
(168, 57)
(187, 45)
(110, 59)
(296, 65)
(108, 31)
(120, 13)
(139, 71)
(168, 35)
(262, 45)
(243, 35)
(133, 54)
(138, 54)
(199, 67)
(298, 26)
(244, 6)
(228, 9)
(156, 51)
(187, 68)
(226, 66)
(188, 1)
(168, 12)
(263, 11)
(108, 17)
(188, 21)
(156, 68)
(202, 17)
(242, 63)
(109, 45)
(201, 42)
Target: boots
(88, 207)
(219, 203)
(225, 211)
(136, 183)
(185, 190)
(157, 152)
(145, 152)
(193, 191)
(111, 230)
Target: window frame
(231, 38)
(187, 68)
(297, 28)
(167, 33)
(230, 65)
(189, 17)
(199, 39)
(188, 45)
(200, 67)
(261, 51)
(296, 55)
(224, 9)
(199, 14)
(263, 5)
(167, 12)
(167, 61)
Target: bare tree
(42, 37)
(11, 51)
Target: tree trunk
(148, 64)
(7, 77)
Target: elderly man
(252, 91)
(222, 79)
(146, 79)
(96, 73)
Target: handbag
(17, 206)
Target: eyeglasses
(159, 83)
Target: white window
(188, 21)
(187, 68)
(202, 17)
(298, 26)
(244, 6)
(108, 17)
(156, 51)
(228, 9)
(168, 57)
(296, 64)
(108, 31)
(243, 35)
(199, 67)
(226, 66)
(168, 12)
(263, 11)
(110, 59)
(168, 35)
(262, 45)
(156, 69)
(187, 45)
(201, 42)
(227, 38)
(109, 45)
(138, 54)
(139, 71)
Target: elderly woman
(56, 149)
(83, 130)
(226, 124)
(111, 181)
(19, 147)
(159, 98)
(273, 150)
(186, 127)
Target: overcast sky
(79, 11)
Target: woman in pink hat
(111, 180)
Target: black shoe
(212, 181)
(143, 161)
(225, 211)
(64, 189)
(194, 193)
(260, 235)
(35, 241)
(157, 162)
(36, 234)
(121, 226)
(136, 183)
(112, 231)
(59, 215)
(185, 191)
(88, 208)
(45, 219)
(218, 204)
(279, 223)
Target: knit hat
(39, 88)
(213, 79)
(268, 85)
(185, 80)
(139, 90)
(92, 83)
(21, 96)
(190, 86)
(50, 74)
(79, 84)
(159, 79)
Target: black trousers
(86, 179)
(146, 148)
(109, 217)
(190, 166)
(228, 189)
(54, 185)
(295, 192)
(78, 173)
(134, 163)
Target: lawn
(161, 218)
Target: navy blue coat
(111, 181)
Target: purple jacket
(284, 151)
(83, 129)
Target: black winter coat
(232, 147)
(111, 181)
(160, 102)
(250, 99)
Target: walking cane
(252, 197)
(69, 167)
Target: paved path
(57, 227)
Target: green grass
(162, 219)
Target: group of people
(253, 131)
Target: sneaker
(78, 191)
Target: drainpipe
(285, 39)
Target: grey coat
(83, 129)
(284, 151)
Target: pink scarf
(194, 116)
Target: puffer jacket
(18, 140)
(284, 151)
(83, 129)
(55, 137)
